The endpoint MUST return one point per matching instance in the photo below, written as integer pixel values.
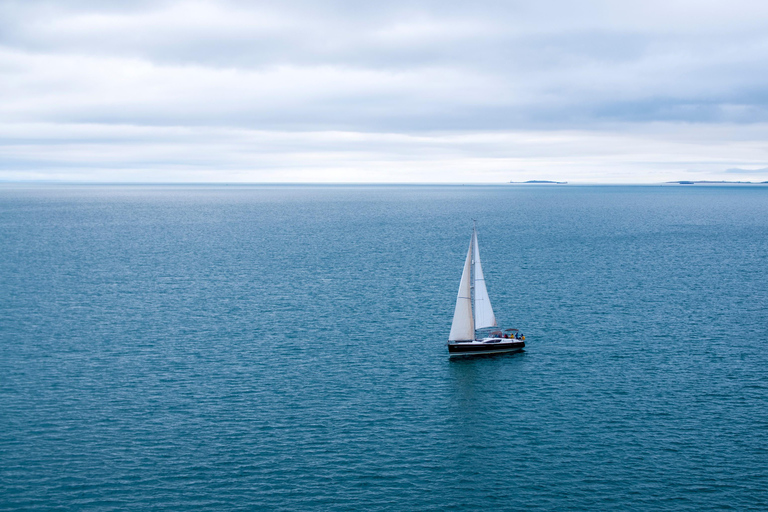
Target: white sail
(463, 327)
(484, 316)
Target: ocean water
(283, 348)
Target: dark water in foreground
(283, 348)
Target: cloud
(743, 172)
(629, 154)
(423, 71)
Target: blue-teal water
(283, 348)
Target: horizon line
(377, 183)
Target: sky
(373, 92)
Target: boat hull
(471, 348)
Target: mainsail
(463, 327)
(484, 316)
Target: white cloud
(402, 91)
(144, 153)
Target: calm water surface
(283, 348)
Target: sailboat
(474, 313)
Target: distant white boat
(474, 313)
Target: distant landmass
(542, 181)
(684, 182)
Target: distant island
(684, 182)
(541, 181)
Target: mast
(472, 248)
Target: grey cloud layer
(405, 68)
(433, 66)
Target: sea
(283, 347)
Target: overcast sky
(411, 91)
